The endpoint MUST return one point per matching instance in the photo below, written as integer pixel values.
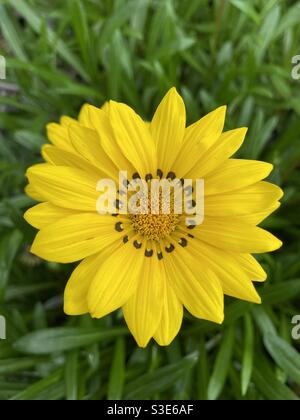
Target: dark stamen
(183, 242)
(192, 225)
(136, 176)
(192, 204)
(160, 255)
(171, 176)
(137, 244)
(119, 227)
(125, 239)
(148, 252)
(159, 173)
(170, 248)
(148, 177)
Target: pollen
(156, 226)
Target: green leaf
(247, 8)
(268, 384)
(9, 366)
(247, 363)
(55, 340)
(284, 355)
(281, 292)
(32, 391)
(146, 386)
(36, 23)
(222, 365)
(117, 372)
(71, 375)
(9, 245)
(11, 34)
(268, 31)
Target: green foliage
(61, 54)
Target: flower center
(156, 224)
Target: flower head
(151, 264)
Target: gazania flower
(151, 266)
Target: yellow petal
(227, 144)
(251, 266)
(236, 236)
(198, 139)
(133, 138)
(87, 143)
(100, 121)
(32, 193)
(75, 296)
(75, 237)
(253, 199)
(67, 121)
(65, 187)
(84, 116)
(168, 128)
(59, 157)
(59, 136)
(257, 218)
(234, 279)
(235, 174)
(143, 310)
(171, 319)
(195, 285)
(45, 214)
(116, 280)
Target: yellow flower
(151, 266)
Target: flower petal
(87, 143)
(235, 174)
(100, 121)
(143, 310)
(236, 236)
(168, 128)
(45, 214)
(251, 266)
(58, 157)
(227, 144)
(59, 136)
(133, 138)
(171, 319)
(84, 116)
(32, 193)
(234, 280)
(196, 286)
(116, 280)
(257, 218)
(198, 139)
(75, 237)
(253, 199)
(65, 187)
(75, 296)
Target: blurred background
(63, 53)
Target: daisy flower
(151, 265)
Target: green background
(61, 54)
